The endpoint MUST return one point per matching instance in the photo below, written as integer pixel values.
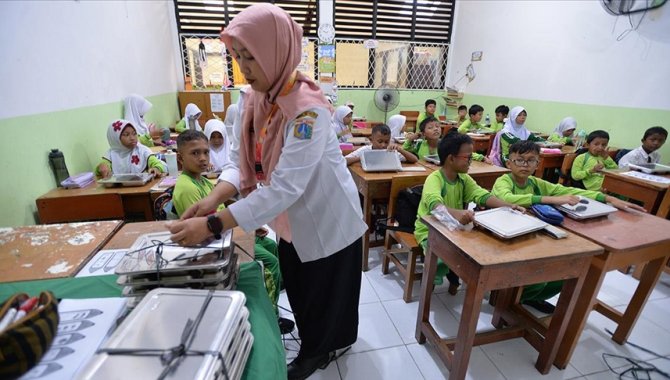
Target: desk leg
(467, 328)
(367, 213)
(540, 168)
(429, 270)
(652, 271)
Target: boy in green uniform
(451, 188)
(429, 111)
(501, 114)
(473, 123)
(523, 189)
(588, 166)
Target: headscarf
(518, 130)
(190, 114)
(229, 122)
(337, 121)
(135, 108)
(565, 125)
(217, 156)
(396, 123)
(277, 48)
(125, 160)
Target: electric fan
(386, 99)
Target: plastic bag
(442, 214)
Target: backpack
(620, 154)
(406, 209)
(163, 206)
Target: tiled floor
(386, 348)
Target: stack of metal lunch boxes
(177, 334)
(154, 261)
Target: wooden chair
(408, 243)
(565, 178)
(410, 122)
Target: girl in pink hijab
(292, 175)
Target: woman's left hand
(189, 232)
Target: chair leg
(385, 257)
(409, 276)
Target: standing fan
(386, 99)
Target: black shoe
(301, 368)
(285, 325)
(542, 306)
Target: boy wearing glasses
(523, 189)
(451, 188)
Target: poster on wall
(326, 59)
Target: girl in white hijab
(125, 154)
(229, 122)
(564, 131)
(135, 107)
(514, 130)
(219, 148)
(341, 121)
(396, 123)
(190, 121)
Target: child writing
(451, 189)
(341, 122)
(125, 154)
(514, 130)
(190, 121)
(588, 166)
(473, 123)
(501, 115)
(219, 148)
(381, 139)
(462, 112)
(652, 141)
(564, 131)
(429, 111)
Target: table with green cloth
(267, 357)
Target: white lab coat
(312, 183)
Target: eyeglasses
(468, 157)
(522, 162)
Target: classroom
(424, 79)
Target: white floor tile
(658, 312)
(618, 288)
(368, 294)
(386, 364)
(455, 305)
(516, 359)
(404, 316)
(375, 329)
(432, 367)
(330, 373)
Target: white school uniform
(639, 156)
(312, 183)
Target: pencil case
(547, 214)
(24, 341)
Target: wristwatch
(215, 226)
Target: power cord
(638, 369)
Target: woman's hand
(189, 232)
(200, 208)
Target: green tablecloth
(266, 360)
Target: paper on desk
(103, 263)
(648, 177)
(83, 326)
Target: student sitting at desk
(341, 122)
(515, 130)
(431, 130)
(451, 188)
(588, 166)
(564, 131)
(135, 107)
(652, 141)
(473, 123)
(522, 188)
(397, 123)
(429, 111)
(219, 148)
(501, 115)
(125, 155)
(462, 114)
(381, 139)
(190, 121)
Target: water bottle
(488, 120)
(57, 163)
(581, 139)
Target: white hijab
(191, 114)
(518, 130)
(125, 160)
(337, 121)
(218, 157)
(135, 108)
(396, 122)
(565, 125)
(229, 122)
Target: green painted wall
(79, 133)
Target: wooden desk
(50, 251)
(481, 143)
(649, 193)
(361, 132)
(375, 186)
(486, 263)
(552, 160)
(96, 202)
(628, 239)
(484, 174)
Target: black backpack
(406, 209)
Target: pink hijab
(275, 42)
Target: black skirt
(324, 297)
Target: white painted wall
(65, 54)
(564, 51)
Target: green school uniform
(555, 137)
(152, 162)
(469, 126)
(581, 170)
(180, 126)
(420, 149)
(146, 140)
(507, 139)
(422, 117)
(188, 190)
(495, 126)
(439, 190)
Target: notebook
(586, 209)
(650, 168)
(507, 223)
(380, 161)
(139, 179)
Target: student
(135, 107)
(473, 123)
(190, 120)
(397, 123)
(564, 131)
(125, 155)
(520, 187)
(514, 130)
(431, 131)
(652, 141)
(219, 147)
(462, 113)
(588, 166)
(429, 110)
(451, 188)
(229, 122)
(381, 139)
(341, 122)
(501, 114)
